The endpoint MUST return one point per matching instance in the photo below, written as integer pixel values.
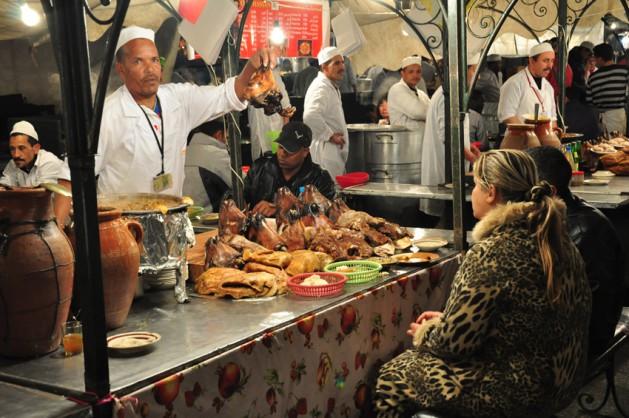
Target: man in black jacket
(598, 243)
(292, 167)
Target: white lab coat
(323, 113)
(407, 108)
(519, 94)
(128, 157)
(433, 150)
(209, 153)
(260, 124)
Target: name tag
(162, 182)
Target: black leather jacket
(265, 177)
(597, 241)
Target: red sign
(302, 23)
(191, 9)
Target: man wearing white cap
(142, 143)
(408, 105)
(323, 113)
(521, 92)
(31, 166)
(433, 148)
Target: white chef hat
(411, 60)
(134, 32)
(540, 49)
(24, 128)
(327, 53)
(494, 58)
(473, 59)
(587, 44)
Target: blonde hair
(514, 176)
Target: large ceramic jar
(519, 136)
(36, 274)
(544, 131)
(120, 241)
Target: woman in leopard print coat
(511, 341)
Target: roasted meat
(374, 237)
(222, 282)
(231, 220)
(219, 254)
(285, 202)
(392, 230)
(294, 234)
(263, 93)
(312, 195)
(341, 244)
(279, 259)
(260, 232)
(354, 219)
(241, 243)
(306, 261)
(313, 216)
(337, 209)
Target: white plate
(596, 182)
(132, 343)
(430, 244)
(603, 174)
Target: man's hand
(262, 57)
(338, 139)
(472, 154)
(264, 208)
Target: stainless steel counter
(191, 333)
(612, 196)
(18, 402)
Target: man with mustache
(145, 125)
(31, 166)
(520, 93)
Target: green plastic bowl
(364, 271)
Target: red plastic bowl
(352, 179)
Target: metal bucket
(395, 173)
(166, 237)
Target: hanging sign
(301, 21)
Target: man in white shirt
(323, 113)
(145, 125)
(407, 104)
(31, 166)
(208, 168)
(521, 92)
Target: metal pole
(69, 22)
(457, 71)
(230, 69)
(562, 56)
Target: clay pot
(36, 274)
(544, 131)
(519, 136)
(120, 241)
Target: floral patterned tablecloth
(321, 365)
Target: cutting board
(196, 254)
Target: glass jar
(578, 177)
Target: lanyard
(161, 118)
(539, 98)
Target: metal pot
(364, 85)
(393, 146)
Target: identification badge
(162, 182)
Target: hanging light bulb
(277, 36)
(29, 16)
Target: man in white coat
(260, 124)
(408, 105)
(145, 125)
(433, 148)
(521, 92)
(323, 113)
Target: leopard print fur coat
(501, 348)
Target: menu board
(301, 21)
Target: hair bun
(539, 191)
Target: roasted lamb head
(263, 93)
(294, 234)
(262, 233)
(337, 209)
(219, 254)
(312, 195)
(231, 220)
(285, 202)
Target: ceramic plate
(603, 174)
(383, 261)
(209, 218)
(132, 343)
(430, 244)
(416, 258)
(596, 182)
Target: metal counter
(191, 333)
(612, 196)
(18, 401)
